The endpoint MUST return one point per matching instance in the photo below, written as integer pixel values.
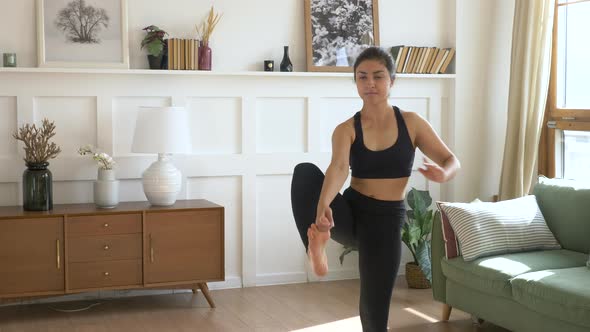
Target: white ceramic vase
(106, 189)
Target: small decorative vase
(106, 189)
(286, 64)
(204, 57)
(37, 187)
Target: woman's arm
(445, 164)
(336, 174)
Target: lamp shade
(161, 130)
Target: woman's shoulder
(411, 117)
(346, 128)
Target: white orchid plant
(104, 160)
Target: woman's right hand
(324, 220)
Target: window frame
(557, 118)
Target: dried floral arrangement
(38, 149)
(208, 26)
(104, 160)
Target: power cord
(77, 309)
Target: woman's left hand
(433, 172)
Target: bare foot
(316, 250)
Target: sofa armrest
(439, 282)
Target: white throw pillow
(485, 228)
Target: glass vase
(37, 187)
(286, 64)
(204, 57)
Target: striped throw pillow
(485, 229)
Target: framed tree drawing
(336, 31)
(82, 33)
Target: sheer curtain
(529, 84)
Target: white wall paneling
(250, 130)
(7, 127)
(9, 193)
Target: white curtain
(529, 83)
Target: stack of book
(183, 54)
(422, 60)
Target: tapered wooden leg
(205, 290)
(446, 312)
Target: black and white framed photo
(336, 31)
(82, 33)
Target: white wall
(253, 157)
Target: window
(564, 149)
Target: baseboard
(280, 278)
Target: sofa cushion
(564, 203)
(558, 293)
(452, 249)
(485, 228)
(493, 274)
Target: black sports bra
(394, 162)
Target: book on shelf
(448, 60)
(438, 66)
(407, 59)
(433, 56)
(401, 59)
(395, 52)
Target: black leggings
(372, 225)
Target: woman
(378, 143)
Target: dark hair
(378, 54)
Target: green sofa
(546, 290)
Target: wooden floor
(319, 306)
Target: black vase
(37, 187)
(155, 61)
(286, 64)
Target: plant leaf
(423, 255)
(414, 234)
(347, 250)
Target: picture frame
(337, 31)
(63, 42)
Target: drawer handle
(106, 274)
(151, 249)
(106, 225)
(106, 247)
(57, 256)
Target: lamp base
(162, 181)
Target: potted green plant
(156, 46)
(416, 236)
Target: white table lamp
(161, 130)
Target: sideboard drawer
(105, 274)
(104, 224)
(104, 248)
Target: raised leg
(306, 186)
(446, 312)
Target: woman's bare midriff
(381, 189)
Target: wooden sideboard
(77, 248)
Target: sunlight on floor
(352, 324)
(421, 315)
